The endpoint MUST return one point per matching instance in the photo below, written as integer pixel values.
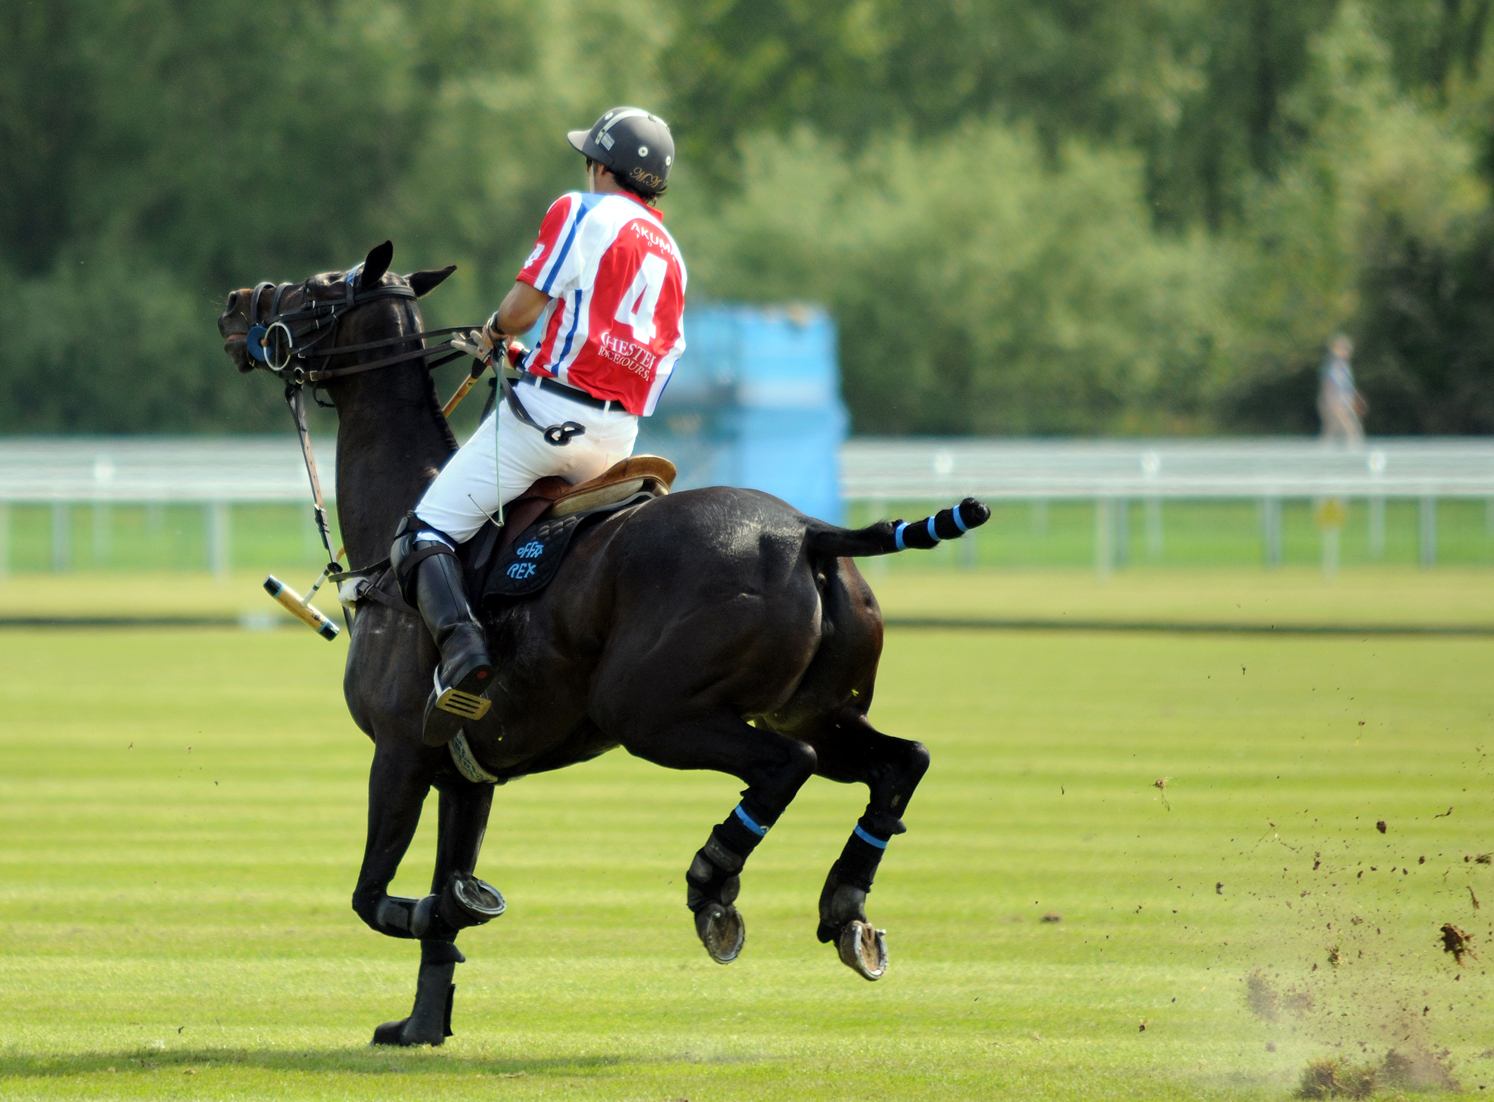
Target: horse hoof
(398, 1033)
(468, 901)
(721, 931)
(864, 949)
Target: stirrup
(458, 703)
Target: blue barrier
(755, 402)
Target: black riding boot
(429, 576)
(465, 670)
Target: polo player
(606, 282)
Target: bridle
(291, 344)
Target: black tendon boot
(843, 900)
(430, 578)
(429, 1022)
(714, 879)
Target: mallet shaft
(478, 367)
(456, 399)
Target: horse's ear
(375, 264)
(426, 281)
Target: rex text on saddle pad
(529, 563)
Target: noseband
(290, 344)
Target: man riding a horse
(607, 283)
(717, 628)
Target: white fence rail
(155, 469)
(216, 472)
(1112, 473)
(902, 468)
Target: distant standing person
(1340, 405)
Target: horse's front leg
(774, 768)
(458, 899)
(399, 781)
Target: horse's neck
(391, 441)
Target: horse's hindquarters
(713, 603)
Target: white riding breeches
(470, 486)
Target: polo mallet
(480, 346)
(478, 367)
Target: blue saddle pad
(527, 565)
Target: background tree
(1072, 216)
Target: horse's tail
(889, 536)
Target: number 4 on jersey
(637, 306)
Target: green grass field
(181, 820)
(1248, 597)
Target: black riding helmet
(634, 145)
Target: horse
(713, 628)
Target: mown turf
(1365, 596)
(1248, 596)
(181, 819)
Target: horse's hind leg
(774, 768)
(849, 749)
(828, 711)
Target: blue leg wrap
(750, 823)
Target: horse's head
(262, 325)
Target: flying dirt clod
(1456, 942)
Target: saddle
(520, 557)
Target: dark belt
(570, 392)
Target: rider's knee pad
(414, 542)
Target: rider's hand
(476, 343)
(481, 344)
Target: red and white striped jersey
(616, 283)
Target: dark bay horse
(710, 629)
